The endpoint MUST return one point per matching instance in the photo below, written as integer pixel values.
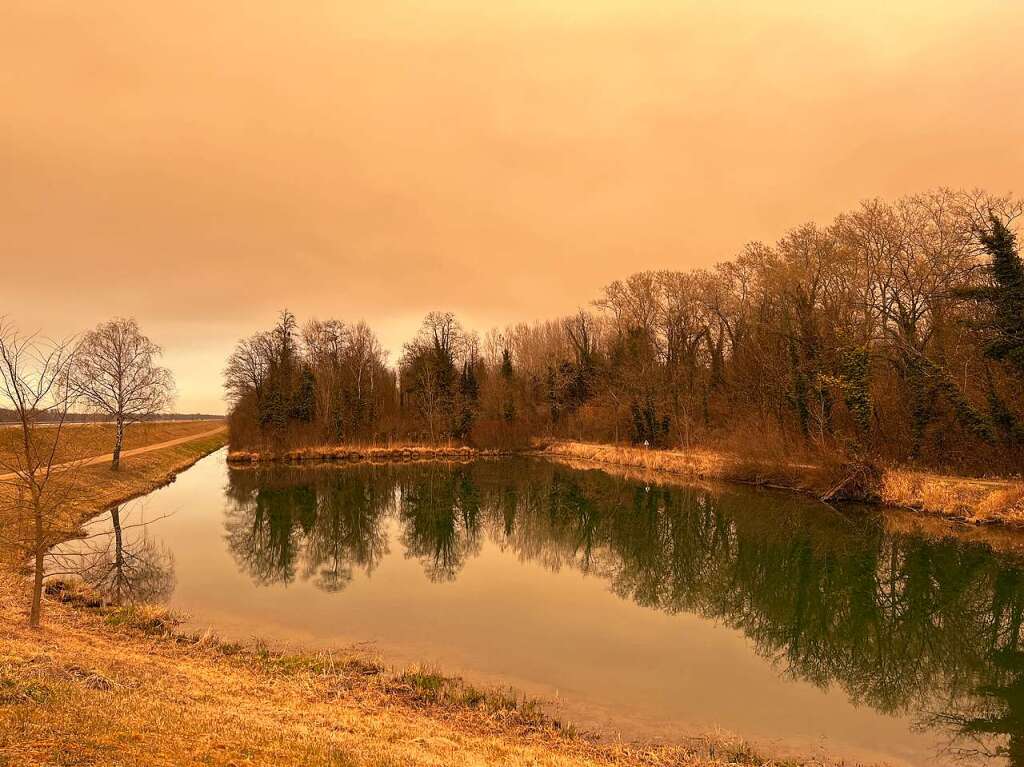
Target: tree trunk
(115, 518)
(37, 582)
(119, 442)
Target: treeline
(895, 332)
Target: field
(84, 440)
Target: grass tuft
(18, 692)
(424, 684)
(149, 619)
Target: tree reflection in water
(903, 623)
(118, 560)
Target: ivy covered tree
(1004, 296)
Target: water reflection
(330, 521)
(903, 624)
(118, 560)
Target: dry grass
(975, 501)
(142, 473)
(102, 488)
(119, 687)
(969, 500)
(701, 464)
(363, 453)
(81, 440)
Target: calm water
(655, 611)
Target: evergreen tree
(304, 404)
(1005, 295)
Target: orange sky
(200, 165)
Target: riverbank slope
(144, 468)
(115, 686)
(972, 500)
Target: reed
(978, 501)
(971, 500)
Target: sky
(200, 166)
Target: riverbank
(143, 472)
(143, 469)
(975, 501)
(113, 686)
(963, 499)
(369, 453)
(97, 439)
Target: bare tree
(38, 487)
(247, 369)
(866, 336)
(115, 373)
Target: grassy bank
(80, 440)
(960, 498)
(139, 474)
(363, 453)
(144, 472)
(702, 464)
(979, 501)
(113, 686)
(96, 487)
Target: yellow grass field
(82, 440)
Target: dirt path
(106, 457)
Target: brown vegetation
(364, 453)
(117, 686)
(971, 500)
(964, 499)
(94, 439)
(892, 336)
(760, 468)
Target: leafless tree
(116, 374)
(429, 371)
(38, 475)
(248, 367)
(853, 338)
